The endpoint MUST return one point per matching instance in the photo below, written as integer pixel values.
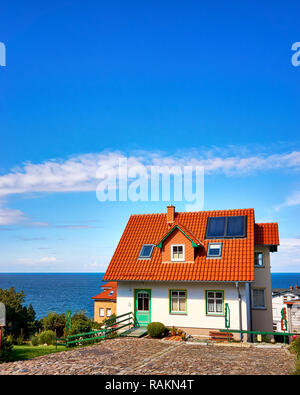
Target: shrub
(10, 339)
(81, 323)
(173, 331)
(6, 351)
(19, 340)
(295, 346)
(156, 329)
(54, 322)
(35, 340)
(47, 337)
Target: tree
(81, 323)
(19, 318)
(54, 322)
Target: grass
(26, 351)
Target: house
(182, 268)
(105, 302)
(293, 316)
(280, 298)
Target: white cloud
(79, 173)
(10, 216)
(292, 200)
(287, 259)
(48, 259)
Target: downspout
(249, 311)
(240, 309)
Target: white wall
(196, 314)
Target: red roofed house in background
(182, 268)
(105, 302)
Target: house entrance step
(134, 332)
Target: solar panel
(222, 227)
(215, 227)
(235, 226)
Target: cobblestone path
(149, 356)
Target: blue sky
(194, 82)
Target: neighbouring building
(105, 302)
(183, 268)
(284, 298)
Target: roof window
(146, 251)
(214, 250)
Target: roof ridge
(195, 212)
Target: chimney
(291, 288)
(170, 214)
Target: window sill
(259, 267)
(178, 313)
(259, 308)
(215, 315)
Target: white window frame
(108, 309)
(215, 299)
(101, 308)
(214, 256)
(264, 294)
(177, 297)
(263, 259)
(183, 253)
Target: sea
(73, 291)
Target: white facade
(278, 303)
(196, 316)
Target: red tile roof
(267, 233)
(236, 264)
(108, 288)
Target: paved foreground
(150, 356)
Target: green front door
(142, 306)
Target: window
(214, 250)
(108, 312)
(146, 251)
(215, 302)
(101, 312)
(177, 252)
(259, 259)
(177, 301)
(143, 301)
(222, 227)
(258, 299)
(111, 293)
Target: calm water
(56, 291)
(62, 291)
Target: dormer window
(146, 251)
(177, 253)
(214, 250)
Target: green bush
(47, 337)
(6, 351)
(81, 323)
(295, 346)
(19, 340)
(156, 329)
(54, 322)
(10, 339)
(35, 341)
